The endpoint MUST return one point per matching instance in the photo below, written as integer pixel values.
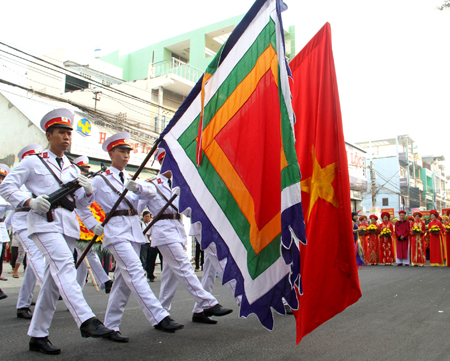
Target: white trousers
(129, 277)
(210, 267)
(60, 278)
(176, 269)
(35, 259)
(26, 290)
(99, 273)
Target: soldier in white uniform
(4, 207)
(123, 238)
(4, 238)
(169, 236)
(35, 260)
(100, 275)
(54, 228)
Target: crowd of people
(404, 241)
(48, 225)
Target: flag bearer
(123, 238)
(169, 236)
(54, 229)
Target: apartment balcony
(175, 67)
(412, 183)
(404, 157)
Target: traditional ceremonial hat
(385, 214)
(410, 218)
(373, 216)
(81, 161)
(121, 140)
(362, 217)
(401, 212)
(29, 150)
(160, 154)
(61, 118)
(417, 213)
(4, 169)
(445, 217)
(435, 212)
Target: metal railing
(177, 67)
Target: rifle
(59, 197)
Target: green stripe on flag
(257, 264)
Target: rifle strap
(50, 170)
(119, 193)
(162, 195)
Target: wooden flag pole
(91, 274)
(119, 200)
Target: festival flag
(329, 273)
(230, 147)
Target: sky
(392, 57)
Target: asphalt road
(404, 314)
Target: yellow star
(319, 184)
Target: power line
(65, 71)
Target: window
(385, 202)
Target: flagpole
(119, 200)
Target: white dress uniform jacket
(40, 181)
(4, 207)
(165, 231)
(118, 228)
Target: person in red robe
(436, 240)
(363, 238)
(402, 231)
(446, 225)
(373, 244)
(418, 247)
(387, 254)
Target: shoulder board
(151, 180)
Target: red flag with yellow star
(328, 262)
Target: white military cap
(4, 169)
(121, 140)
(29, 150)
(61, 118)
(81, 161)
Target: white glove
(86, 184)
(98, 229)
(132, 186)
(176, 191)
(40, 204)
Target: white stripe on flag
(254, 289)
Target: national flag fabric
(329, 273)
(231, 150)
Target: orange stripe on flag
(259, 239)
(239, 96)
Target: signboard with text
(88, 137)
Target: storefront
(356, 158)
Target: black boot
(168, 325)
(2, 294)
(94, 328)
(201, 318)
(217, 310)
(42, 344)
(24, 313)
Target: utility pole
(407, 168)
(96, 92)
(372, 178)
